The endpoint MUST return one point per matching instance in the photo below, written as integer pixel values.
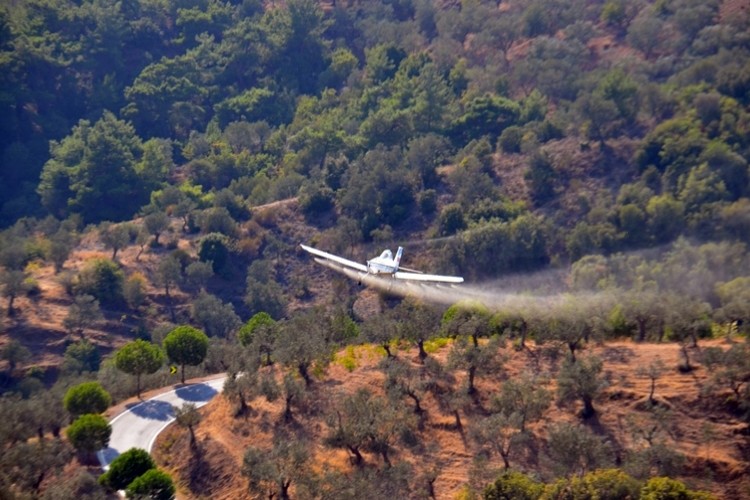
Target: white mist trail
(537, 292)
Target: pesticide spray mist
(542, 293)
(680, 273)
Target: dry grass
(708, 435)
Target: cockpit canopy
(386, 255)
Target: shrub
(214, 248)
(103, 279)
(217, 220)
(82, 356)
(510, 139)
(427, 201)
(451, 220)
(134, 290)
(349, 359)
(611, 484)
(664, 488)
(247, 331)
(316, 200)
(78, 485)
(513, 485)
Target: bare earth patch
(712, 439)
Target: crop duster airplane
(385, 264)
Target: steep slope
(712, 440)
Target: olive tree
(381, 330)
(13, 284)
(524, 395)
(574, 449)
(404, 381)
(581, 380)
(417, 323)
(653, 371)
(187, 416)
(14, 352)
(476, 359)
(156, 223)
(301, 342)
(217, 318)
(82, 313)
(501, 433)
(115, 236)
(81, 356)
(273, 472)
(366, 422)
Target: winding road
(140, 423)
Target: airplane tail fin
(397, 260)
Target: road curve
(140, 423)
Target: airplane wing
(335, 258)
(410, 270)
(428, 277)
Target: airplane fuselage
(374, 267)
(385, 263)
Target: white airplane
(384, 264)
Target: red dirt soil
(713, 441)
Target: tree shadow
(598, 428)
(196, 393)
(617, 354)
(107, 455)
(153, 410)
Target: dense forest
(161, 160)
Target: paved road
(138, 426)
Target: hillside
(698, 426)
(583, 164)
(490, 152)
(38, 318)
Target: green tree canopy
(514, 485)
(258, 320)
(82, 356)
(581, 380)
(272, 472)
(154, 484)
(15, 353)
(137, 358)
(89, 433)
(217, 318)
(82, 313)
(87, 397)
(93, 172)
(103, 279)
(126, 467)
(186, 345)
